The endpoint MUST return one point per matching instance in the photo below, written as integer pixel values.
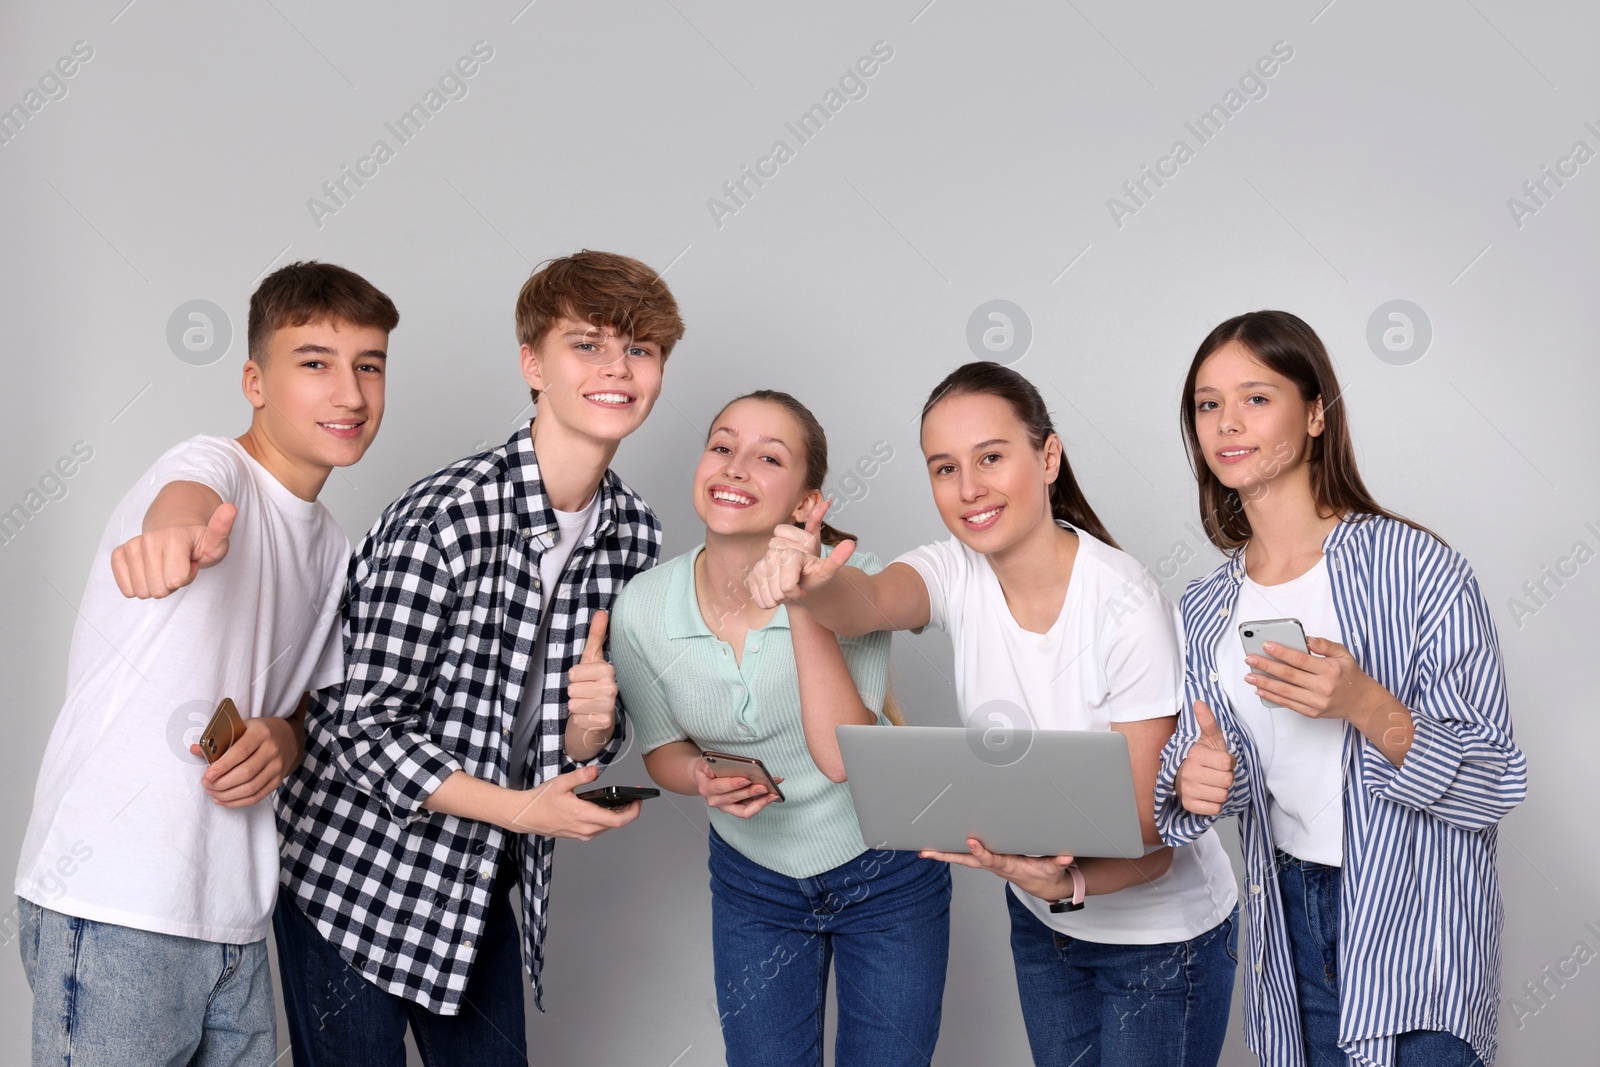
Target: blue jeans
(337, 1018)
(1086, 1003)
(883, 919)
(1311, 913)
(112, 996)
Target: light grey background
(978, 166)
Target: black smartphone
(619, 796)
(722, 765)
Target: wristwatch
(1075, 902)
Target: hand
(1206, 774)
(736, 796)
(794, 564)
(554, 810)
(255, 764)
(150, 566)
(592, 687)
(1328, 684)
(1045, 877)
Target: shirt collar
(683, 606)
(1331, 544)
(535, 515)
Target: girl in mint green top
(701, 667)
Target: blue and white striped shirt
(1420, 911)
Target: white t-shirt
(571, 528)
(1303, 758)
(122, 830)
(1112, 655)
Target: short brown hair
(604, 290)
(309, 291)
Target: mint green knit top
(679, 682)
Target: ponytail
(1067, 502)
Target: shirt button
(1255, 889)
(1237, 573)
(487, 872)
(536, 583)
(1213, 676)
(1223, 613)
(753, 647)
(745, 730)
(1258, 966)
(468, 944)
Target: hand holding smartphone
(618, 796)
(723, 765)
(225, 727)
(1286, 632)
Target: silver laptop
(1032, 792)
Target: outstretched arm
(846, 600)
(185, 529)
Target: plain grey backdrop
(1438, 154)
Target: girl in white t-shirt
(1118, 961)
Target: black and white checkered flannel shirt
(442, 607)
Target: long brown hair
(1067, 502)
(814, 446)
(1285, 344)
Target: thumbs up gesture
(1206, 774)
(592, 688)
(167, 558)
(794, 564)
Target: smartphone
(1286, 632)
(619, 796)
(722, 765)
(222, 731)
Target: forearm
(473, 798)
(1388, 725)
(828, 694)
(181, 504)
(846, 605)
(587, 736)
(1107, 875)
(672, 767)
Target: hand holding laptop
(1046, 877)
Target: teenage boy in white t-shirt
(147, 879)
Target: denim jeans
(1311, 913)
(111, 996)
(882, 919)
(1086, 1003)
(337, 1018)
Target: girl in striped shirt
(1368, 790)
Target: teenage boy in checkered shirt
(477, 700)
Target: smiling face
(751, 476)
(991, 485)
(592, 380)
(1251, 424)
(318, 398)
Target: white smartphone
(1286, 632)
